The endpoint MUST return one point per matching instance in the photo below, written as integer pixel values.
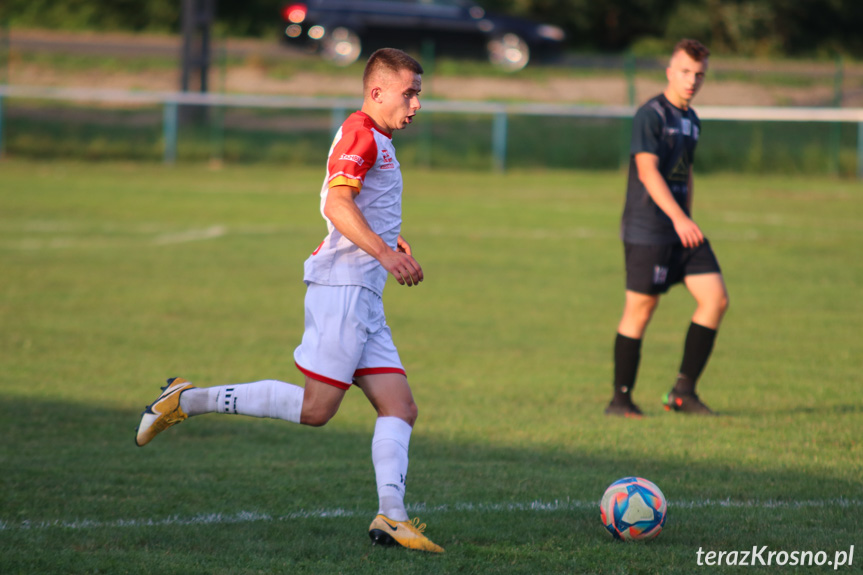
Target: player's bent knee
(407, 412)
(316, 417)
(638, 316)
(641, 308)
(720, 303)
(412, 413)
(315, 420)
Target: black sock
(696, 352)
(627, 354)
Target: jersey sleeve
(352, 157)
(646, 131)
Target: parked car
(342, 30)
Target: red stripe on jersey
(354, 154)
(323, 378)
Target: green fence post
(498, 141)
(217, 135)
(217, 112)
(860, 150)
(1, 128)
(836, 127)
(169, 132)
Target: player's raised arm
(341, 209)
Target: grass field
(116, 276)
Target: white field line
(89, 240)
(41, 235)
(528, 507)
(191, 235)
(69, 235)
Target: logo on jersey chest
(686, 128)
(386, 161)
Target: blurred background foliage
(811, 28)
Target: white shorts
(346, 336)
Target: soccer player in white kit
(346, 340)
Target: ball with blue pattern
(633, 509)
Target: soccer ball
(633, 509)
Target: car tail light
(295, 13)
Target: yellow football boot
(408, 534)
(162, 413)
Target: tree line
(734, 27)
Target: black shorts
(653, 269)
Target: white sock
(268, 398)
(390, 458)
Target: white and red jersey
(365, 159)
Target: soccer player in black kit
(663, 246)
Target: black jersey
(670, 133)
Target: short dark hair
(693, 48)
(391, 59)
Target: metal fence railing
(500, 114)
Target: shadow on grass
(220, 494)
(825, 410)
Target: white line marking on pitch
(191, 235)
(533, 506)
